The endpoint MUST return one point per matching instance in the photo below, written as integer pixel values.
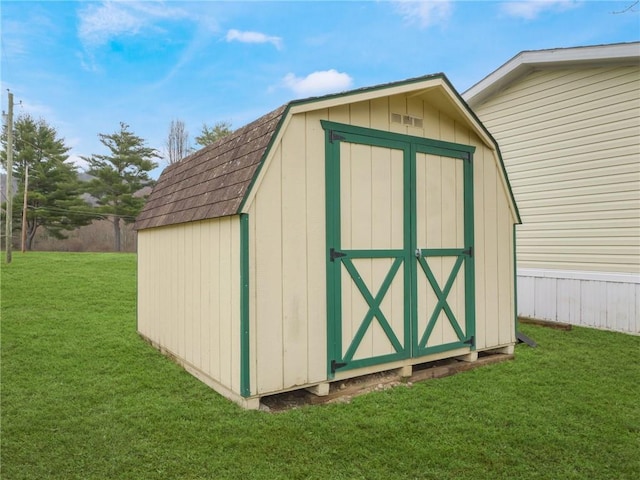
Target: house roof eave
(529, 60)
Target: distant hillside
(3, 187)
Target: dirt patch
(545, 323)
(342, 391)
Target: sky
(86, 66)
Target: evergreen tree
(120, 176)
(54, 193)
(211, 135)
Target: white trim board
(578, 275)
(591, 299)
(528, 60)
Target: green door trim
(442, 305)
(245, 374)
(335, 133)
(374, 307)
(383, 138)
(336, 257)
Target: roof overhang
(528, 61)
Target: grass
(83, 397)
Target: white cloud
(253, 37)
(101, 22)
(530, 9)
(318, 83)
(424, 12)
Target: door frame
(335, 133)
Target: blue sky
(85, 66)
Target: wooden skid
(340, 390)
(344, 390)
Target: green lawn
(83, 397)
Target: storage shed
(334, 237)
(568, 123)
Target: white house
(568, 124)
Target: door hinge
(470, 341)
(468, 251)
(336, 365)
(418, 253)
(333, 254)
(333, 136)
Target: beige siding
(189, 294)
(288, 241)
(495, 291)
(287, 261)
(570, 139)
(371, 198)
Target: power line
(79, 212)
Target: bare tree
(177, 143)
(629, 8)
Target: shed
(333, 237)
(568, 124)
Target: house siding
(571, 144)
(570, 140)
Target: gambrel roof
(213, 181)
(216, 180)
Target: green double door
(399, 246)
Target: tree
(54, 195)
(177, 143)
(211, 135)
(120, 176)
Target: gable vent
(408, 120)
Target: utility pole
(8, 232)
(24, 208)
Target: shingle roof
(213, 181)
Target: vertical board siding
(480, 226)
(189, 303)
(287, 264)
(315, 248)
(288, 252)
(269, 278)
(570, 139)
(294, 255)
(599, 303)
